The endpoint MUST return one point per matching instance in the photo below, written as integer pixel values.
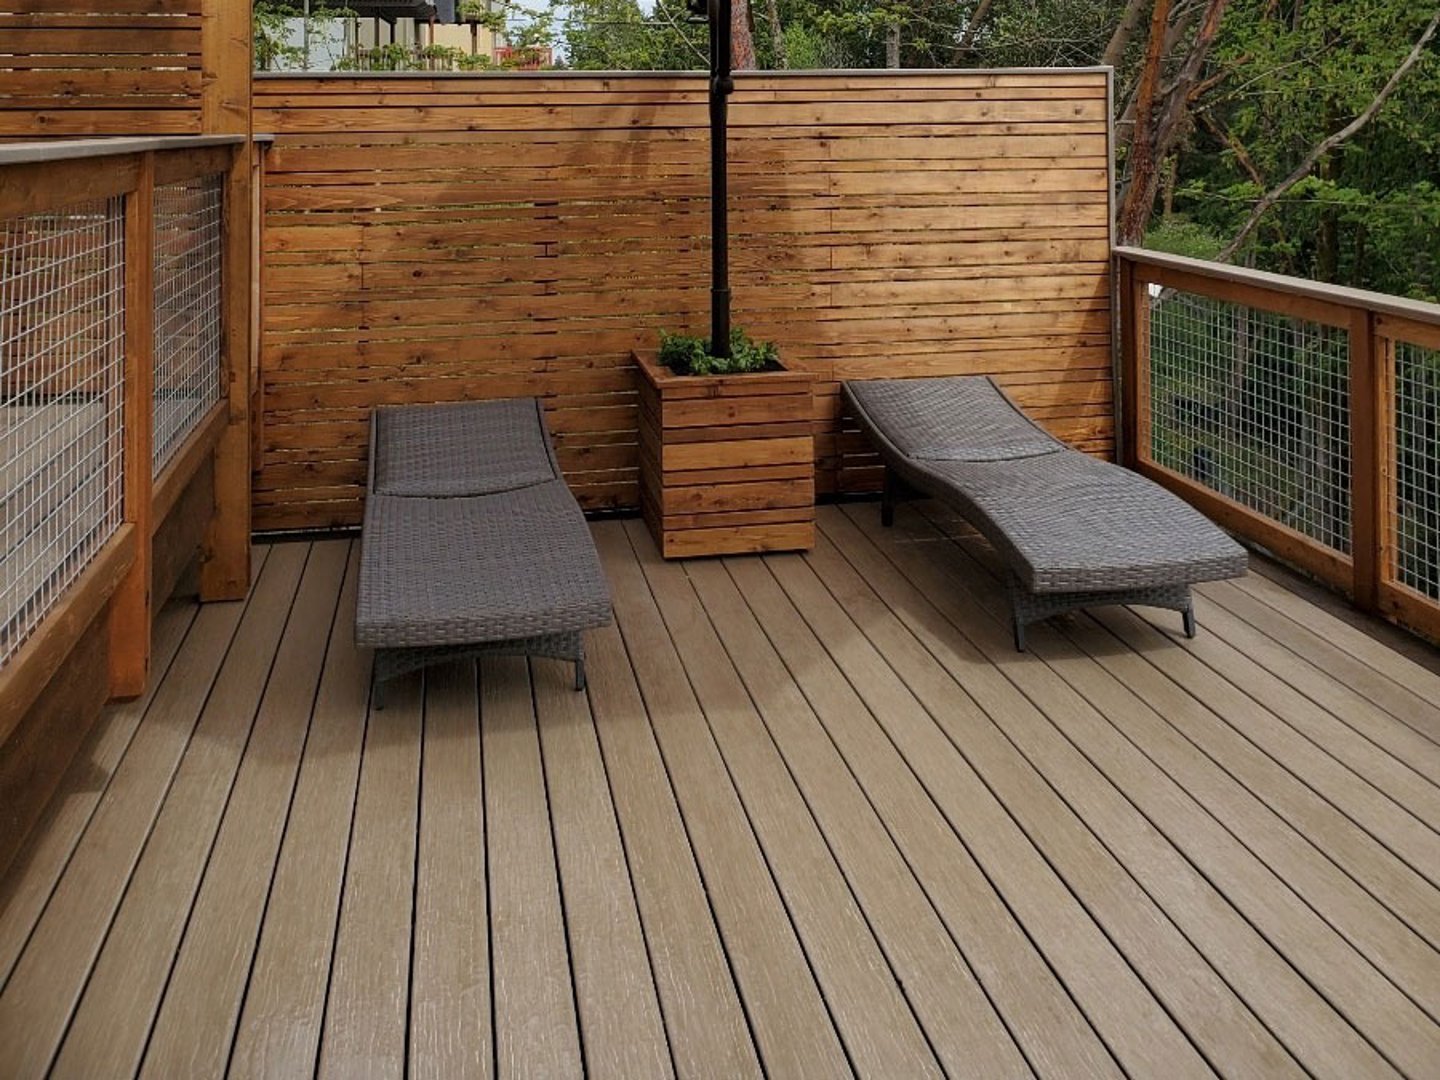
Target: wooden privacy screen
(100, 67)
(484, 236)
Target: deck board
(813, 817)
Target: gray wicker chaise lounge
(1073, 531)
(472, 542)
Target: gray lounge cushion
(461, 571)
(1068, 522)
(1065, 522)
(950, 419)
(470, 448)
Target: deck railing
(112, 385)
(1303, 417)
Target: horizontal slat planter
(727, 461)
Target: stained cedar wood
(576, 206)
(1085, 885)
(135, 69)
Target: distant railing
(1301, 416)
(111, 384)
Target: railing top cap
(1339, 295)
(695, 73)
(21, 153)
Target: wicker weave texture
(517, 564)
(454, 450)
(1063, 521)
(950, 419)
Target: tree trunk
(972, 27)
(892, 46)
(742, 44)
(777, 35)
(1124, 31)
(1156, 136)
(1140, 194)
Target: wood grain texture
(366, 1009)
(48, 978)
(620, 1020)
(961, 1028)
(127, 69)
(1163, 866)
(115, 1015)
(708, 447)
(281, 1021)
(536, 1031)
(792, 1026)
(194, 1028)
(450, 1030)
(813, 811)
(438, 239)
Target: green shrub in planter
(686, 354)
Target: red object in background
(524, 59)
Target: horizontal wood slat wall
(100, 67)
(441, 238)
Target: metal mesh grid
(62, 366)
(1415, 539)
(1254, 406)
(189, 246)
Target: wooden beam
(225, 572)
(1134, 367)
(130, 613)
(1369, 363)
(188, 459)
(29, 671)
(225, 65)
(34, 187)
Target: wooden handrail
(1374, 323)
(39, 179)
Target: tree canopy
(1243, 91)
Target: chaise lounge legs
(1029, 607)
(394, 662)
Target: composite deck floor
(813, 817)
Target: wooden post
(130, 607)
(225, 572)
(1132, 361)
(1368, 367)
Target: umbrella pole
(721, 86)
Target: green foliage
(1289, 75)
(1179, 236)
(686, 354)
(272, 22)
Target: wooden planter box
(727, 462)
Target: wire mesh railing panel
(189, 246)
(1254, 406)
(1414, 518)
(62, 366)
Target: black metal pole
(721, 85)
